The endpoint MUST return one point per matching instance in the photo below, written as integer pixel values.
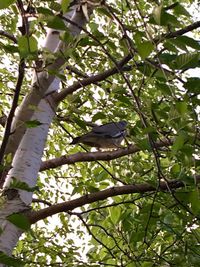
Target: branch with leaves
(41, 214)
(99, 155)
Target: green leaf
(187, 60)
(65, 5)
(161, 17)
(157, 14)
(187, 41)
(32, 124)
(66, 37)
(44, 11)
(193, 85)
(55, 22)
(57, 74)
(175, 170)
(180, 10)
(104, 11)
(182, 197)
(194, 198)
(99, 116)
(84, 41)
(149, 70)
(149, 129)
(183, 42)
(170, 47)
(179, 142)
(188, 180)
(16, 184)
(101, 176)
(125, 100)
(27, 45)
(167, 57)
(10, 261)
(179, 44)
(130, 264)
(181, 106)
(80, 123)
(6, 3)
(92, 189)
(147, 264)
(165, 89)
(115, 213)
(144, 144)
(168, 19)
(145, 48)
(20, 220)
(169, 218)
(10, 48)
(55, 6)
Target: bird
(109, 135)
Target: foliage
(159, 98)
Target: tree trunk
(27, 144)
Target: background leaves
(159, 99)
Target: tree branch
(12, 110)
(94, 156)
(101, 76)
(92, 79)
(9, 36)
(35, 216)
(94, 236)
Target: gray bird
(109, 135)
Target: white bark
(10, 233)
(29, 142)
(27, 160)
(43, 83)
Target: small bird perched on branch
(109, 135)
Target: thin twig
(95, 238)
(189, 28)
(92, 79)
(9, 36)
(12, 110)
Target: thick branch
(35, 216)
(92, 79)
(94, 156)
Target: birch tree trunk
(27, 144)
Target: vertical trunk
(27, 144)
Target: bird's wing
(109, 129)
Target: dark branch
(12, 110)
(35, 216)
(94, 156)
(94, 236)
(92, 79)
(36, 200)
(118, 66)
(9, 36)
